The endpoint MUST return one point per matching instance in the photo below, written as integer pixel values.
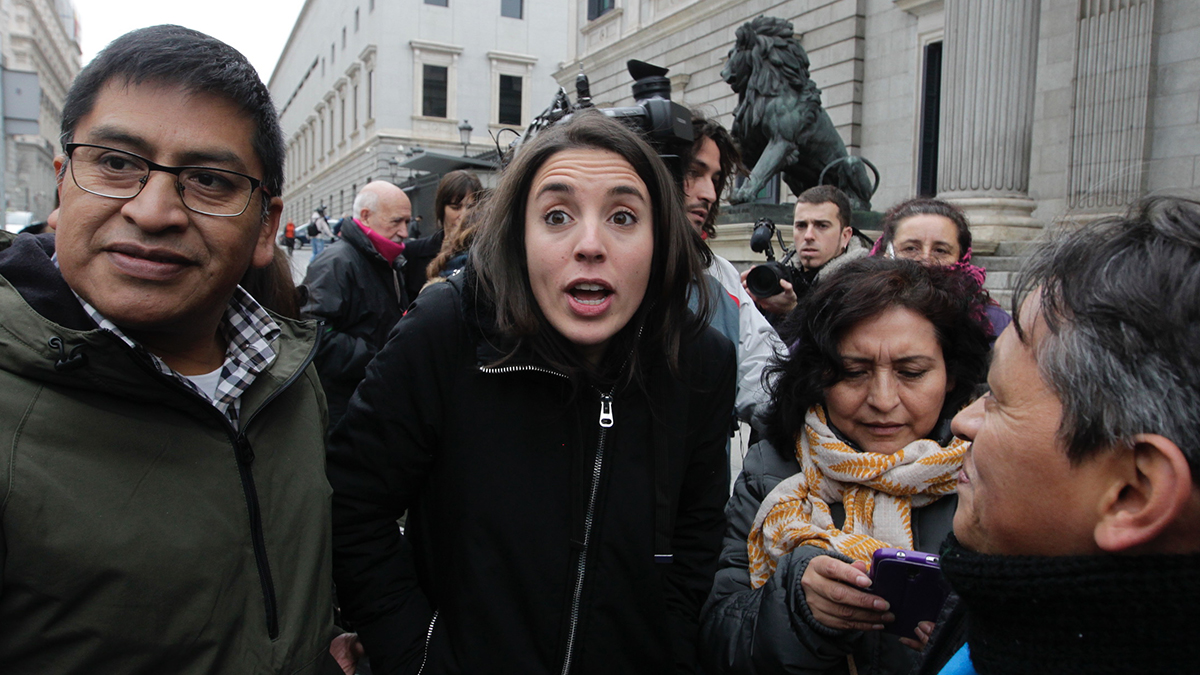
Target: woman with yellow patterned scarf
(858, 456)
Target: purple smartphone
(912, 584)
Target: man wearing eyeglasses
(163, 502)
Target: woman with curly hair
(858, 456)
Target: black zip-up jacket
(420, 252)
(360, 297)
(513, 486)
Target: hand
(924, 630)
(831, 588)
(347, 650)
(780, 303)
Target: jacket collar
(25, 262)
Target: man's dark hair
(731, 161)
(676, 269)
(1121, 299)
(453, 189)
(823, 194)
(918, 206)
(858, 291)
(175, 55)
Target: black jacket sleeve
(700, 519)
(379, 459)
(342, 358)
(769, 629)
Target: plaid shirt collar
(250, 331)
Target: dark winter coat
(140, 532)
(360, 297)
(514, 489)
(420, 252)
(770, 629)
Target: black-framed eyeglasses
(108, 172)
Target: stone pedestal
(987, 114)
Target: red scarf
(386, 247)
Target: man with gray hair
(1078, 524)
(357, 288)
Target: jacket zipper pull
(245, 453)
(606, 411)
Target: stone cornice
(443, 47)
(630, 47)
(511, 57)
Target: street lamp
(464, 135)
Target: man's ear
(264, 246)
(60, 172)
(1152, 493)
(847, 233)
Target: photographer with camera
(714, 158)
(823, 241)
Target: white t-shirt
(207, 383)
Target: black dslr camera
(763, 280)
(665, 124)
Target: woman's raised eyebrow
(626, 190)
(555, 187)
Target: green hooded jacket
(140, 532)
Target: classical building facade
(376, 89)
(42, 37)
(1025, 112)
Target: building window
(370, 94)
(355, 19)
(371, 6)
(343, 102)
(513, 9)
(439, 3)
(931, 105)
(433, 99)
(510, 99)
(355, 105)
(343, 37)
(435, 80)
(597, 7)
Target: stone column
(987, 114)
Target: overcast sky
(257, 28)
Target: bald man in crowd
(357, 288)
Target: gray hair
(366, 199)
(1121, 298)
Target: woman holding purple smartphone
(858, 456)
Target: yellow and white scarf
(878, 491)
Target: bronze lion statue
(779, 121)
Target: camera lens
(763, 280)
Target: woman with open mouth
(552, 420)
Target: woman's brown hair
(663, 319)
(454, 188)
